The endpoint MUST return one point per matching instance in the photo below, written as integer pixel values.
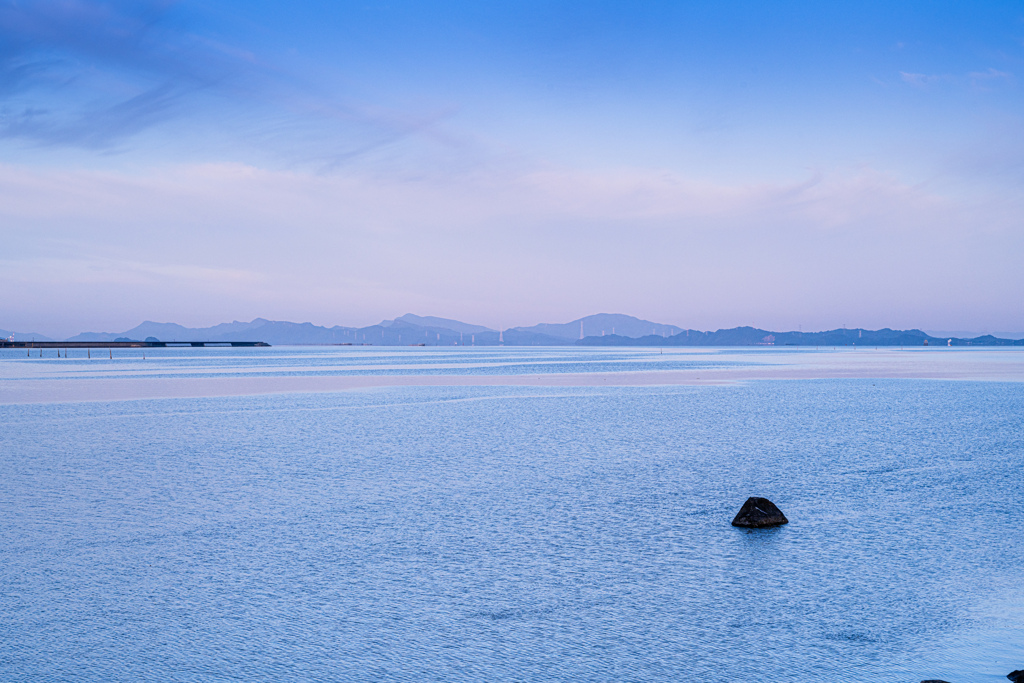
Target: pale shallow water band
(49, 382)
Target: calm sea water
(470, 533)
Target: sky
(787, 165)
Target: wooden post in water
(111, 352)
(88, 352)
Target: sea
(510, 514)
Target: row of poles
(88, 353)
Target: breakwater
(5, 344)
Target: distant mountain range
(404, 330)
(751, 336)
(600, 325)
(603, 329)
(23, 336)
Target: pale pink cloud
(205, 243)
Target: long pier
(6, 344)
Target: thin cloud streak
(984, 81)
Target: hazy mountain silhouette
(260, 329)
(602, 324)
(23, 336)
(751, 336)
(440, 323)
(604, 329)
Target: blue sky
(702, 164)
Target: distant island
(603, 329)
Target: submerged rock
(934, 680)
(1016, 676)
(759, 512)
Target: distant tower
(501, 337)
(581, 329)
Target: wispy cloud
(87, 74)
(90, 74)
(920, 80)
(979, 80)
(96, 129)
(259, 203)
(986, 79)
(91, 270)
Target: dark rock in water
(934, 680)
(1016, 676)
(759, 512)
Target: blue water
(517, 533)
